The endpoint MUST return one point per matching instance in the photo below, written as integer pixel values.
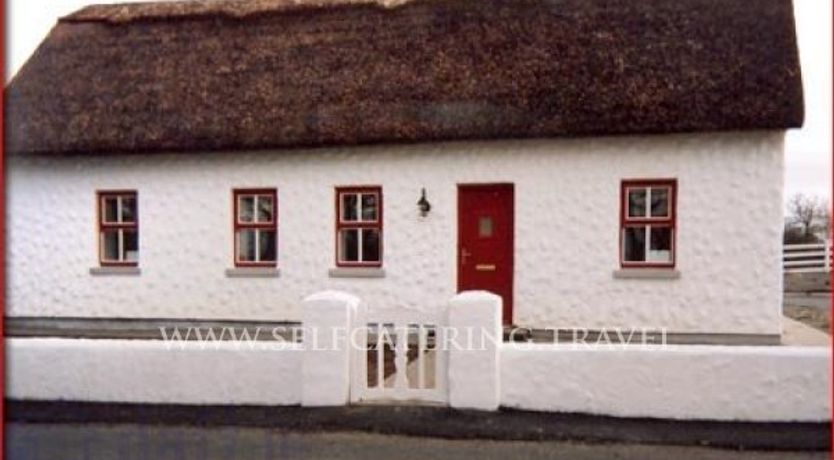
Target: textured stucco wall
(567, 217)
(148, 371)
(682, 382)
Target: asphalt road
(129, 442)
(819, 301)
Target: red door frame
(508, 313)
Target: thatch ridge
(203, 9)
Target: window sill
(357, 272)
(115, 271)
(647, 273)
(253, 272)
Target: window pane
(661, 244)
(349, 245)
(370, 245)
(246, 245)
(110, 245)
(246, 208)
(110, 209)
(128, 209)
(131, 246)
(660, 202)
(637, 202)
(266, 246)
(369, 205)
(634, 244)
(264, 208)
(349, 201)
(485, 226)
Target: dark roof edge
(382, 143)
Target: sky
(808, 156)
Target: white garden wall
(761, 384)
(678, 382)
(148, 371)
(567, 216)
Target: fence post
(827, 255)
(473, 338)
(325, 370)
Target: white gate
(808, 258)
(397, 356)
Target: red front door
(485, 241)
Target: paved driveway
(134, 442)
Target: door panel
(485, 241)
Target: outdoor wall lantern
(424, 204)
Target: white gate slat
(401, 363)
(801, 255)
(421, 356)
(798, 247)
(380, 356)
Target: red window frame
(238, 226)
(103, 226)
(668, 221)
(359, 224)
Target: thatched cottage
(596, 163)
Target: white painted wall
(328, 318)
(473, 340)
(567, 217)
(148, 371)
(679, 382)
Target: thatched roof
(234, 74)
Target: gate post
(473, 338)
(325, 370)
